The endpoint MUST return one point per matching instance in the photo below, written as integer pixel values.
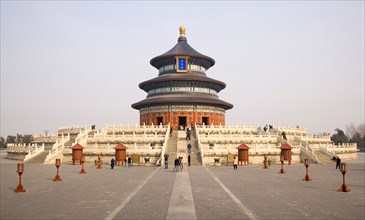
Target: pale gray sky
(67, 63)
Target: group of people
(127, 161)
(178, 164)
(267, 128)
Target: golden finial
(182, 31)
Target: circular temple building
(182, 94)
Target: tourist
(112, 163)
(170, 131)
(284, 135)
(166, 156)
(158, 163)
(235, 162)
(189, 148)
(338, 163)
(189, 160)
(176, 163)
(129, 161)
(181, 164)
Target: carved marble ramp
(182, 201)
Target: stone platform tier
(208, 143)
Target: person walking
(189, 158)
(129, 161)
(181, 164)
(176, 164)
(112, 163)
(338, 163)
(284, 135)
(235, 162)
(166, 156)
(189, 148)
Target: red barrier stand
(82, 163)
(58, 164)
(307, 177)
(20, 170)
(282, 171)
(343, 187)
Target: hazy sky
(67, 63)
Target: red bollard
(282, 171)
(58, 164)
(343, 187)
(307, 177)
(20, 170)
(82, 163)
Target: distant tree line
(16, 139)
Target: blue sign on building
(182, 64)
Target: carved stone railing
(245, 129)
(82, 137)
(32, 153)
(332, 150)
(57, 150)
(14, 147)
(292, 130)
(43, 138)
(197, 131)
(167, 135)
(236, 139)
(307, 152)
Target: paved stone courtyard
(212, 192)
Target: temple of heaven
(182, 94)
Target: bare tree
(356, 134)
(2, 142)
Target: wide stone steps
(323, 158)
(40, 158)
(171, 148)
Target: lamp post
(82, 163)
(20, 170)
(343, 187)
(306, 163)
(58, 164)
(282, 171)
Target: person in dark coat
(166, 157)
(284, 135)
(189, 148)
(189, 160)
(112, 163)
(129, 161)
(176, 163)
(338, 163)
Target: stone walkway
(196, 193)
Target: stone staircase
(182, 149)
(171, 149)
(195, 152)
(40, 158)
(323, 158)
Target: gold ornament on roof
(182, 31)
